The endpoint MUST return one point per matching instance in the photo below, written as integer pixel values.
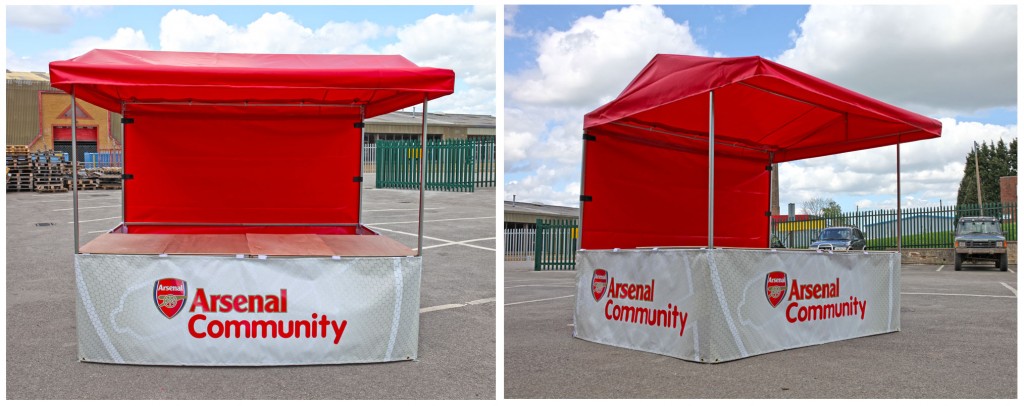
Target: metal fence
(451, 165)
(519, 244)
(103, 159)
(555, 245)
(924, 227)
(369, 157)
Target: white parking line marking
(83, 208)
(1010, 269)
(438, 239)
(461, 242)
(538, 300)
(79, 199)
(1010, 288)
(425, 208)
(98, 231)
(86, 221)
(546, 286)
(954, 294)
(939, 268)
(456, 305)
(429, 221)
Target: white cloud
(180, 30)
(595, 58)
(48, 18)
(545, 186)
(575, 71)
(466, 44)
(938, 60)
(930, 170)
(20, 63)
(123, 38)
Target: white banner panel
(201, 310)
(744, 302)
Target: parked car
(979, 239)
(845, 238)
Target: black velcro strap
(127, 176)
(586, 198)
(359, 124)
(357, 179)
(126, 120)
(588, 137)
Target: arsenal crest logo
(775, 285)
(170, 295)
(599, 284)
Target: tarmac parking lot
(958, 339)
(457, 315)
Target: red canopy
(646, 168)
(245, 138)
(383, 83)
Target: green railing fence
(924, 227)
(451, 165)
(555, 245)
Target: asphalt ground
(457, 340)
(958, 340)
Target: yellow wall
(53, 105)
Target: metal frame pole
(711, 169)
(771, 173)
(124, 138)
(583, 183)
(362, 159)
(74, 164)
(899, 201)
(423, 178)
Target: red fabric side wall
(644, 195)
(247, 167)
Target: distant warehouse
(40, 116)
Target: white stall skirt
(725, 304)
(216, 310)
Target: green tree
(822, 207)
(995, 160)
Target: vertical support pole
(771, 186)
(977, 177)
(423, 178)
(711, 169)
(583, 192)
(74, 163)
(899, 201)
(124, 138)
(362, 160)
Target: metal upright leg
(74, 164)
(423, 178)
(711, 169)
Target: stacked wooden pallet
(110, 177)
(49, 171)
(19, 169)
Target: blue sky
(39, 34)
(956, 64)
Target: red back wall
(243, 165)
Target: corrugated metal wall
(23, 111)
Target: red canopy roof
(383, 83)
(760, 106)
(220, 138)
(646, 163)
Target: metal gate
(555, 245)
(451, 165)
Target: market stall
(675, 212)
(242, 239)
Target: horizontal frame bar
(245, 104)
